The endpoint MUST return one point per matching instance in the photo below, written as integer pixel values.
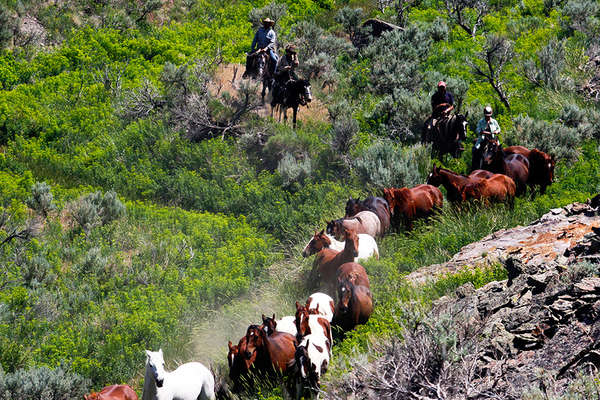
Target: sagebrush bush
(41, 200)
(42, 384)
(96, 209)
(385, 164)
(294, 171)
(37, 271)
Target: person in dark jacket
(285, 71)
(442, 101)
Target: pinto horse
(259, 63)
(410, 204)
(113, 392)
(327, 261)
(190, 381)
(541, 166)
(498, 188)
(378, 205)
(515, 165)
(367, 246)
(285, 324)
(364, 222)
(312, 324)
(453, 182)
(320, 304)
(295, 93)
(354, 307)
(312, 359)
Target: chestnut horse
(498, 188)
(453, 182)
(113, 392)
(354, 307)
(327, 261)
(410, 204)
(516, 166)
(364, 222)
(367, 246)
(311, 324)
(376, 204)
(541, 166)
(354, 273)
(273, 353)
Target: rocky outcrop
(539, 328)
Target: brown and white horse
(364, 222)
(327, 261)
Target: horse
(354, 307)
(363, 222)
(113, 392)
(275, 351)
(260, 70)
(378, 205)
(327, 261)
(312, 360)
(367, 246)
(354, 273)
(481, 174)
(446, 135)
(515, 166)
(410, 204)
(294, 94)
(239, 365)
(320, 304)
(499, 188)
(453, 182)
(190, 381)
(541, 166)
(314, 324)
(285, 324)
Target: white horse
(321, 303)
(367, 246)
(191, 381)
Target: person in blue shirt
(487, 129)
(265, 39)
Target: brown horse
(239, 363)
(516, 166)
(364, 222)
(113, 392)
(498, 188)
(541, 166)
(273, 353)
(481, 174)
(376, 204)
(410, 204)
(354, 307)
(354, 273)
(328, 261)
(453, 182)
(311, 324)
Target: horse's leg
(295, 114)
(264, 90)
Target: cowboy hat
(268, 21)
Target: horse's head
(269, 324)
(302, 359)
(492, 151)
(351, 241)
(336, 228)
(233, 352)
(434, 178)
(301, 320)
(344, 295)
(318, 242)
(254, 341)
(542, 165)
(156, 364)
(462, 123)
(352, 207)
(305, 93)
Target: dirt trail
(277, 294)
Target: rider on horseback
(442, 103)
(265, 39)
(487, 130)
(285, 71)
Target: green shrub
(42, 384)
(41, 200)
(293, 171)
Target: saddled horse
(446, 135)
(541, 166)
(190, 381)
(113, 392)
(515, 165)
(377, 205)
(259, 63)
(295, 93)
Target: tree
(403, 9)
(490, 63)
(468, 14)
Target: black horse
(295, 93)
(484, 154)
(446, 135)
(259, 69)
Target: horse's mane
(452, 172)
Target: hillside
(148, 200)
